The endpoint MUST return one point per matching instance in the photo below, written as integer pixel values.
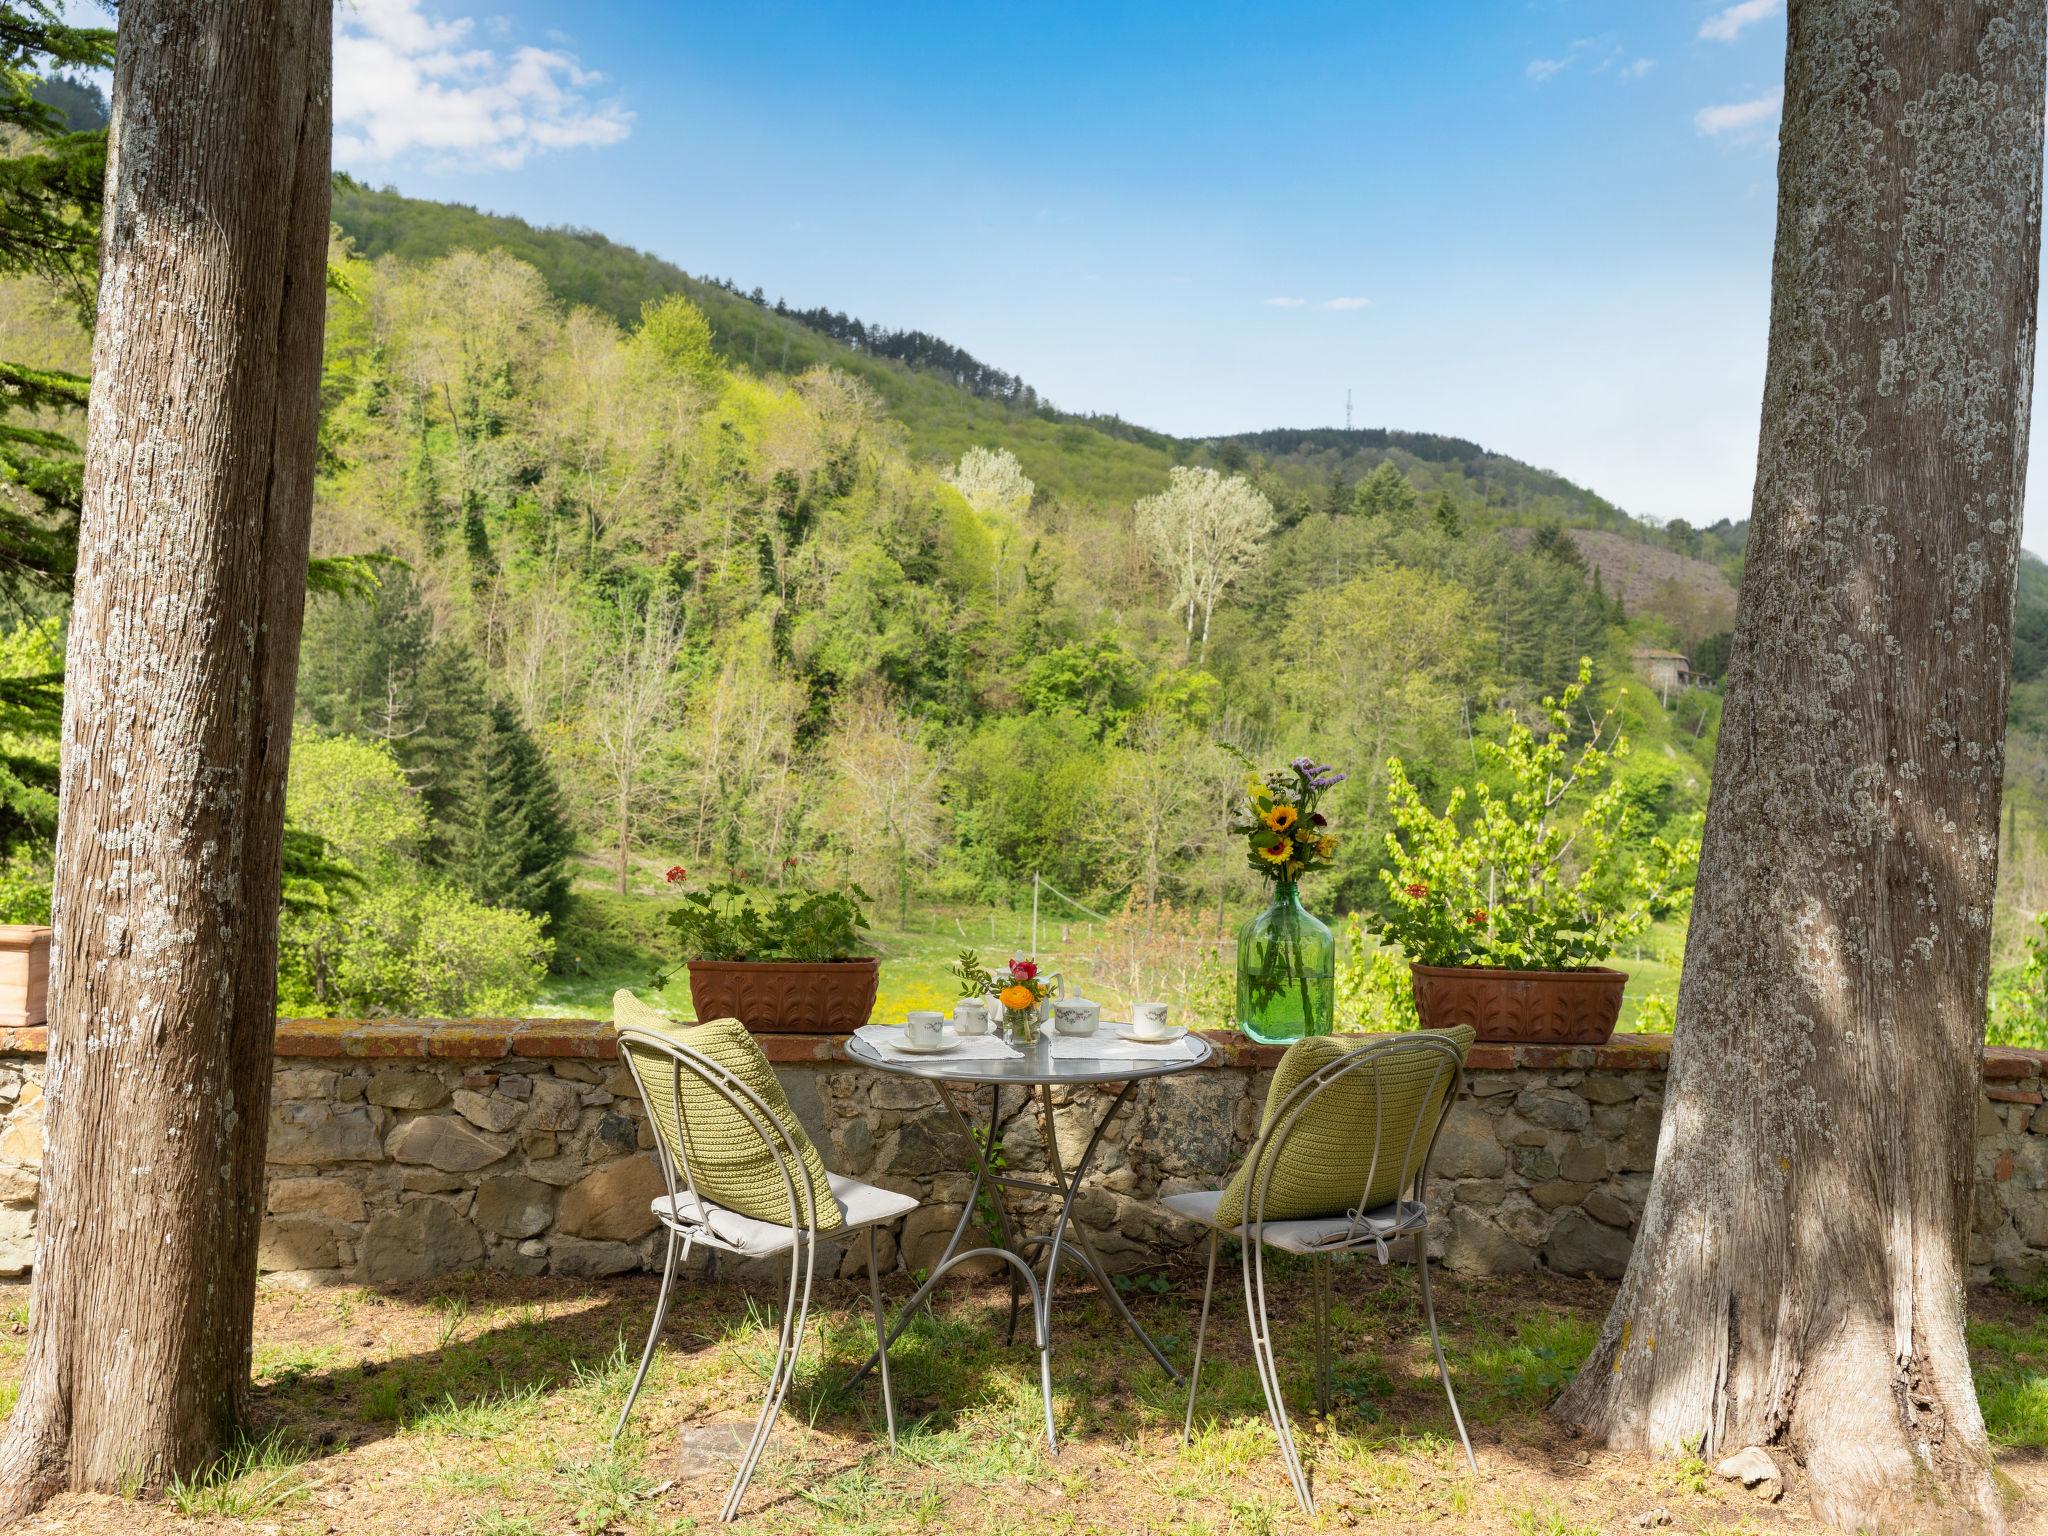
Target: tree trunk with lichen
(1797, 1282)
(183, 652)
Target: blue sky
(1541, 224)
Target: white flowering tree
(993, 482)
(1204, 531)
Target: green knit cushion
(729, 1161)
(1322, 1168)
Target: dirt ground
(483, 1406)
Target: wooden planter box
(1517, 1007)
(24, 974)
(819, 998)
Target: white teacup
(970, 1016)
(924, 1027)
(1149, 1021)
(1076, 1015)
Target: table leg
(1022, 1279)
(1084, 1250)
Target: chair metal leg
(668, 1276)
(1324, 1395)
(1436, 1343)
(881, 1323)
(1269, 1365)
(1187, 1427)
(787, 1348)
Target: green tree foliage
(51, 182)
(370, 930)
(1386, 492)
(674, 332)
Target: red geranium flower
(1417, 891)
(1024, 970)
(676, 874)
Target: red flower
(1024, 970)
(1417, 892)
(1478, 917)
(676, 874)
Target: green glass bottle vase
(1286, 972)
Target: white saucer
(1126, 1032)
(940, 1049)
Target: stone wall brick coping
(2010, 1063)
(591, 1040)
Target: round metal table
(1035, 1069)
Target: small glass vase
(1286, 972)
(1021, 1025)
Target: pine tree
(509, 838)
(451, 711)
(50, 193)
(1445, 511)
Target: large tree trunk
(1798, 1279)
(177, 719)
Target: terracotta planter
(816, 998)
(1514, 1007)
(24, 974)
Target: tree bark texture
(1797, 1282)
(182, 657)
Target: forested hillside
(658, 598)
(637, 571)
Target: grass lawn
(482, 1407)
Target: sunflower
(1325, 846)
(1017, 999)
(1279, 853)
(1281, 817)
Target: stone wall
(402, 1150)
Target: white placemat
(886, 1038)
(1106, 1045)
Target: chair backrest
(659, 1065)
(1405, 1122)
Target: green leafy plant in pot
(1507, 902)
(796, 960)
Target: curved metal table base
(1065, 1235)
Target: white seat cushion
(1312, 1234)
(861, 1205)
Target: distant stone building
(1666, 671)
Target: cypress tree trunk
(1798, 1280)
(177, 720)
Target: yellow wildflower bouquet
(1285, 835)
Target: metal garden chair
(1321, 1238)
(689, 1220)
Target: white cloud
(1283, 303)
(1346, 302)
(1727, 25)
(406, 82)
(1739, 116)
(1637, 70)
(1540, 70)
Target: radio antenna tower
(1347, 410)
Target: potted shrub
(1508, 901)
(797, 960)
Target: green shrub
(412, 949)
